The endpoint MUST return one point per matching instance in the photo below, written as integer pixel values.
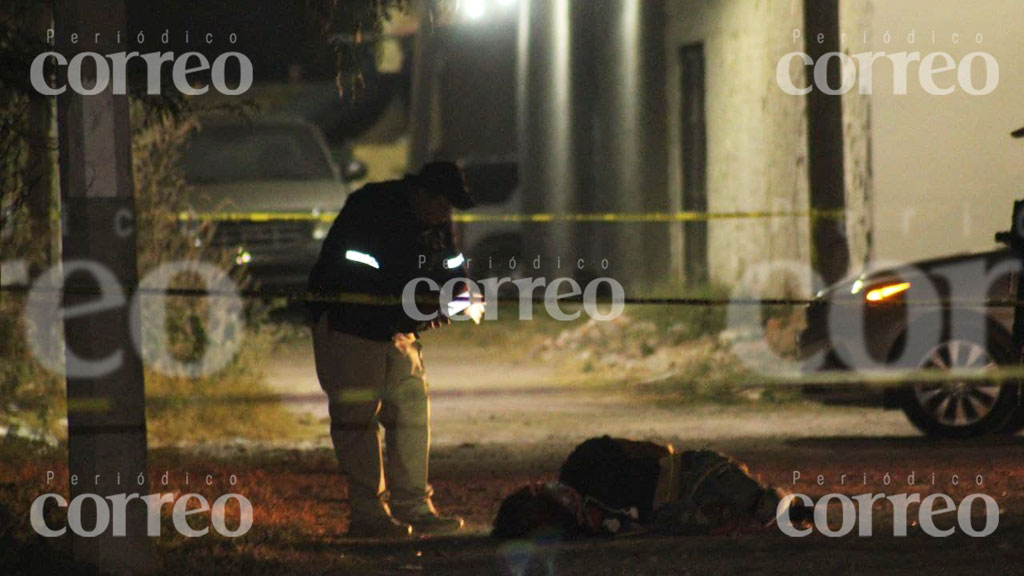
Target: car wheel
(962, 408)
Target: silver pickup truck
(272, 186)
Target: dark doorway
(694, 163)
(830, 251)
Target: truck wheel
(963, 408)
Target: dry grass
(300, 516)
(233, 402)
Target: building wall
(757, 138)
(945, 169)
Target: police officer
(367, 348)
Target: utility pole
(423, 80)
(106, 404)
(830, 251)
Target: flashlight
(463, 304)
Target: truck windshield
(255, 153)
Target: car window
(255, 153)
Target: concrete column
(592, 132)
(629, 158)
(546, 117)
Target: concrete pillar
(546, 117)
(628, 157)
(592, 132)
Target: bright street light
(474, 9)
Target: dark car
(927, 337)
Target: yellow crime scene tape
(624, 217)
(646, 217)
(877, 379)
(300, 296)
(378, 300)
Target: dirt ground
(497, 426)
(501, 424)
(304, 517)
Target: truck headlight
(243, 257)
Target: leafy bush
(229, 402)
(233, 401)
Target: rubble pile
(637, 346)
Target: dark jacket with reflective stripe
(378, 222)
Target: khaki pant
(371, 385)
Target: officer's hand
(476, 312)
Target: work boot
(426, 521)
(379, 525)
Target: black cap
(1019, 133)
(447, 179)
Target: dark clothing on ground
(620, 473)
(614, 486)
